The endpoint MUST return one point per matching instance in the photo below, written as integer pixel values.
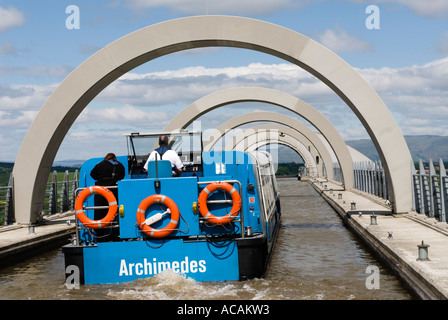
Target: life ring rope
(79, 207)
(153, 232)
(219, 186)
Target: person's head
(163, 140)
(110, 156)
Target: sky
(401, 50)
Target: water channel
(316, 258)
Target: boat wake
(169, 285)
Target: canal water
(315, 258)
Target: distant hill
(69, 163)
(428, 147)
(423, 147)
(366, 147)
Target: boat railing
(78, 228)
(241, 218)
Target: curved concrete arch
(295, 145)
(249, 141)
(304, 135)
(293, 128)
(282, 119)
(58, 113)
(281, 99)
(292, 143)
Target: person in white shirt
(165, 153)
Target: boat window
(268, 184)
(188, 146)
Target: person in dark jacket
(106, 173)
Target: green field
(6, 169)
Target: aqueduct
(58, 113)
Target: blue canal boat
(217, 221)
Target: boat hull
(202, 260)
(197, 248)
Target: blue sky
(405, 61)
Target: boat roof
(175, 132)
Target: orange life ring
(145, 204)
(212, 187)
(79, 209)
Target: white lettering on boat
(154, 267)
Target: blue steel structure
(196, 248)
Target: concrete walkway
(395, 238)
(20, 242)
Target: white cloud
(416, 95)
(37, 72)
(20, 119)
(10, 18)
(24, 97)
(428, 81)
(185, 85)
(91, 143)
(442, 46)
(429, 8)
(339, 40)
(126, 115)
(247, 7)
(414, 92)
(7, 48)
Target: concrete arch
(293, 123)
(275, 132)
(74, 93)
(250, 140)
(278, 98)
(288, 141)
(295, 145)
(301, 132)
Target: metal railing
(337, 173)
(430, 186)
(6, 203)
(431, 190)
(370, 177)
(59, 196)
